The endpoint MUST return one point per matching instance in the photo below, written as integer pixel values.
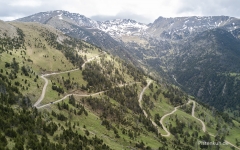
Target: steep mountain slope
(7, 30)
(205, 66)
(92, 100)
(183, 27)
(200, 54)
(81, 27)
(182, 50)
(73, 18)
(161, 29)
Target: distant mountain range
(199, 54)
(58, 92)
(115, 27)
(170, 28)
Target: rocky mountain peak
(115, 28)
(119, 27)
(178, 28)
(182, 27)
(75, 18)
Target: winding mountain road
(66, 96)
(146, 115)
(140, 103)
(161, 122)
(204, 126)
(55, 73)
(163, 117)
(46, 83)
(139, 100)
(43, 92)
(141, 95)
(193, 114)
(175, 109)
(84, 95)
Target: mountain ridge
(101, 99)
(82, 21)
(156, 47)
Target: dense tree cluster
(28, 128)
(22, 126)
(104, 74)
(59, 89)
(74, 140)
(179, 127)
(106, 109)
(187, 108)
(97, 81)
(174, 99)
(126, 96)
(211, 71)
(137, 74)
(147, 124)
(8, 91)
(14, 66)
(112, 114)
(25, 71)
(147, 103)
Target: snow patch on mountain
(120, 27)
(60, 16)
(161, 29)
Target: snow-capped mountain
(80, 27)
(61, 20)
(74, 18)
(74, 25)
(194, 50)
(162, 28)
(119, 27)
(182, 27)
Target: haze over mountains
(200, 54)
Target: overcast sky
(145, 11)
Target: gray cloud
(15, 11)
(152, 8)
(124, 15)
(210, 8)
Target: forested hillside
(61, 93)
(211, 70)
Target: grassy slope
(162, 107)
(93, 125)
(212, 120)
(56, 61)
(33, 92)
(39, 62)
